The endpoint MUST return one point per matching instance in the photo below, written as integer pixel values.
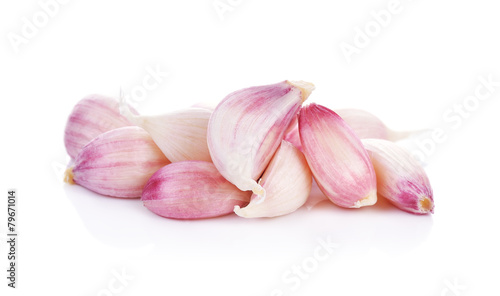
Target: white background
(428, 58)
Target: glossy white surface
(429, 58)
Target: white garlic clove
(117, 163)
(366, 125)
(287, 181)
(191, 190)
(247, 127)
(92, 116)
(338, 161)
(181, 135)
(400, 178)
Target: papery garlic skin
(287, 181)
(338, 161)
(367, 126)
(247, 127)
(92, 116)
(117, 163)
(181, 135)
(400, 178)
(191, 190)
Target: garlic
(247, 127)
(181, 135)
(287, 180)
(117, 163)
(339, 163)
(91, 116)
(400, 178)
(366, 125)
(191, 190)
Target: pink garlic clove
(191, 190)
(92, 116)
(400, 178)
(247, 127)
(339, 162)
(117, 163)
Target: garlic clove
(366, 125)
(287, 181)
(92, 116)
(191, 190)
(117, 163)
(400, 178)
(181, 135)
(338, 161)
(247, 127)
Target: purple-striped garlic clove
(191, 190)
(400, 178)
(247, 127)
(366, 125)
(181, 135)
(338, 161)
(287, 181)
(92, 116)
(117, 163)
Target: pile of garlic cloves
(257, 154)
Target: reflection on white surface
(127, 223)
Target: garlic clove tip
(260, 192)
(426, 205)
(68, 176)
(369, 200)
(305, 87)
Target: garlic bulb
(247, 127)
